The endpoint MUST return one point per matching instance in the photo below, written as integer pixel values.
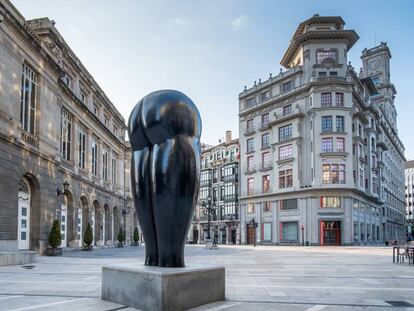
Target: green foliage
(121, 236)
(88, 237)
(136, 235)
(55, 236)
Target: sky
(211, 49)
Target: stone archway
(107, 221)
(68, 220)
(28, 219)
(97, 224)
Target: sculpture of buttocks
(164, 131)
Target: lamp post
(208, 210)
(302, 227)
(254, 224)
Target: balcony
(249, 131)
(30, 139)
(328, 79)
(250, 170)
(264, 126)
(294, 113)
(266, 167)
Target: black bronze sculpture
(164, 131)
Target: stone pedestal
(163, 289)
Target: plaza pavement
(262, 278)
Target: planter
(50, 251)
(135, 243)
(120, 244)
(87, 248)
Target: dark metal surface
(164, 131)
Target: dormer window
(322, 55)
(67, 80)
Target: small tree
(88, 237)
(55, 236)
(136, 235)
(121, 236)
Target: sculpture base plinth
(163, 289)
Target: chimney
(228, 137)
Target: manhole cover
(400, 303)
(28, 267)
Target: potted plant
(121, 238)
(55, 239)
(136, 237)
(88, 238)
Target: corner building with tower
(63, 153)
(321, 161)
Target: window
(250, 186)
(285, 152)
(322, 74)
(249, 125)
(95, 110)
(83, 97)
(250, 163)
(285, 179)
(267, 230)
(288, 204)
(266, 160)
(81, 146)
(265, 120)
(330, 202)
(65, 135)
(266, 183)
(333, 73)
(250, 145)
(287, 110)
(265, 140)
(114, 172)
(327, 144)
(106, 120)
(285, 132)
(105, 165)
(375, 80)
(333, 173)
(289, 231)
(321, 55)
(67, 80)
(287, 86)
(265, 95)
(340, 144)
(327, 124)
(250, 102)
(339, 99)
(340, 124)
(115, 130)
(250, 208)
(94, 158)
(28, 100)
(326, 99)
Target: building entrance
(250, 234)
(330, 233)
(24, 218)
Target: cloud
(180, 22)
(240, 22)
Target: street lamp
(303, 234)
(65, 189)
(208, 210)
(254, 224)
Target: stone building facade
(63, 153)
(219, 188)
(321, 160)
(409, 198)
